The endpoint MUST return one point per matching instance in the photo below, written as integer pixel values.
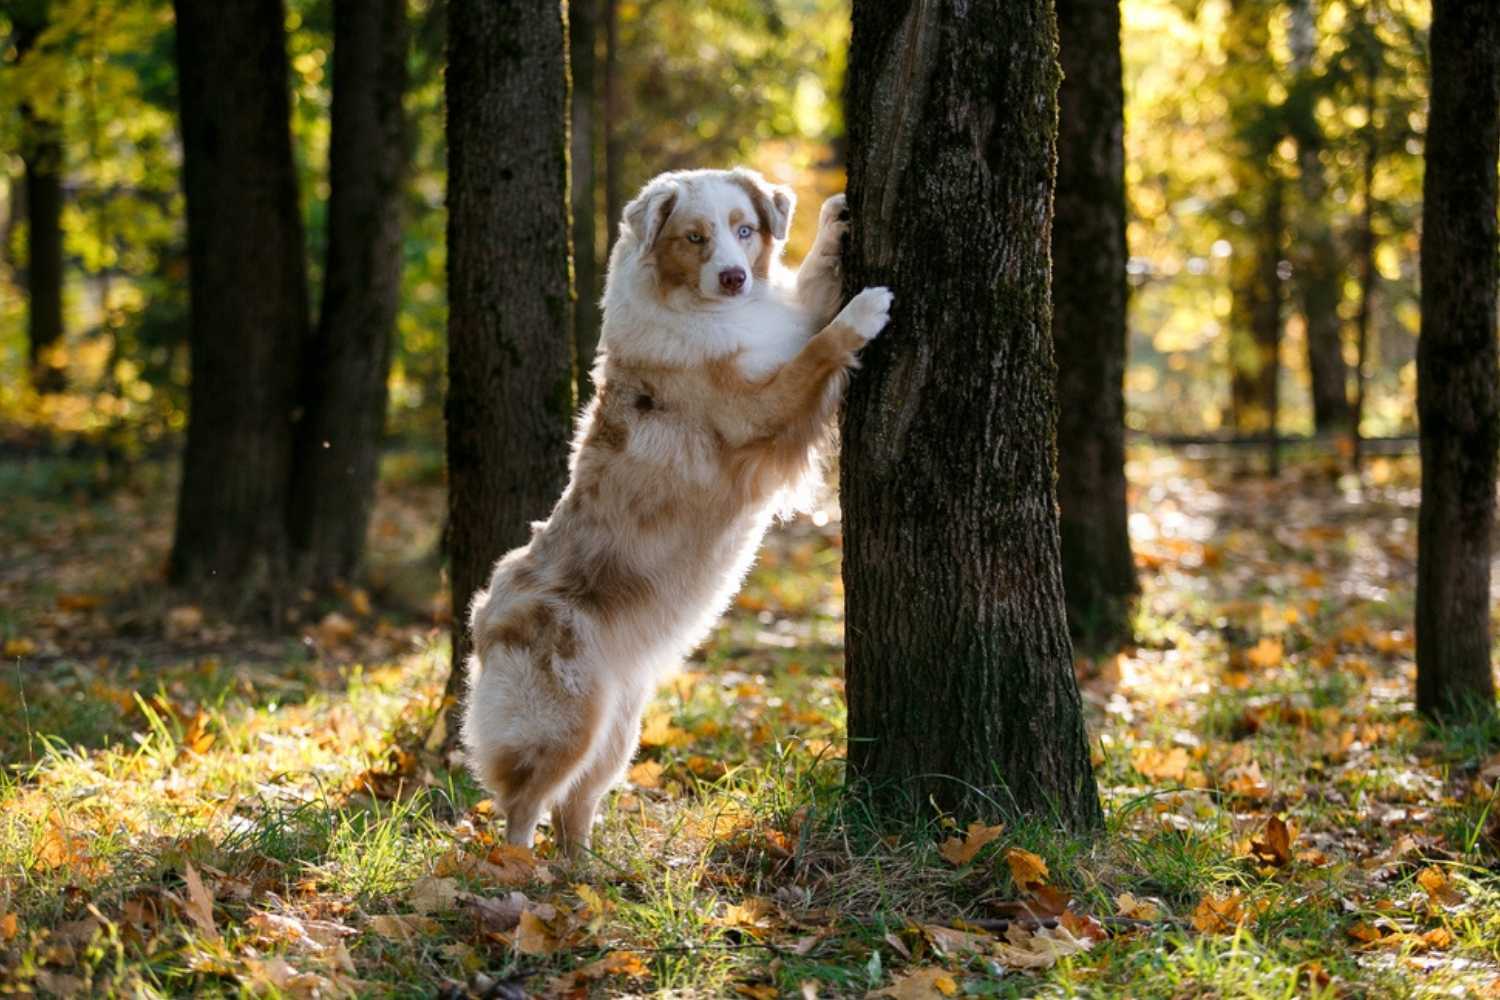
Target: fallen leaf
(646, 774)
(960, 851)
(1275, 844)
(200, 902)
(1215, 915)
(403, 926)
(952, 941)
(501, 914)
(658, 731)
(1266, 653)
(433, 895)
(183, 622)
(10, 926)
(1026, 869)
(78, 602)
(533, 936)
(18, 647)
(196, 738)
(757, 991)
(616, 963)
(1440, 890)
(1137, 909)
(1041, 949)
(922, 984)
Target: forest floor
(190, 807)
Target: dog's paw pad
(833, 219)
(868, 312)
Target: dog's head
(710, 235)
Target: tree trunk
(614, 150)
(248, 288)
(960, 675)
(1267, 320)
(1458, 401)
(1088, 322)
(344, 379)
(583, 17)
(510, 359)
(42, 160)
(1368, 276)
(1319, 270)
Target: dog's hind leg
(573, 817)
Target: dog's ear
(773, 202)
(650, 210)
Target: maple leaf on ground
(433, 894)
(952, 941)
(10, 926)
(1440, 890)
(1266, 653)
(534, 936)
(616, 963)
(1137, 909)
(403, 926)
(1026, 869)
(960, 851)
(1041, 949)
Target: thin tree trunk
(248, 288)
(614, 148)
(959, 667)
(1319, 271)
(1268, 321)
(510, 359)
(337, 453)
(1368, 277)
(583, 18)
(1088, 322)
(1458, 399)
(42, 160)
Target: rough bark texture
(248, 290)
(1458, 400)
(42, 159)
(614, 149)
(583, 18)
(1319, 268)
(348, 361)
(1088, 322)
(960, 676)
(510, 358)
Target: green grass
(733, 861)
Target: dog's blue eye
(745, 232)
(695, 237)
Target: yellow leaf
(1219, 916)
(1137, 909)
(658, 731)
(1275, 845)
(10, 926)
(923, 984)
(1026, 869)
(1266, 654)
(533, 936)
(960, 851)
(757, 991)
(197, 738)
(19, 647)
(1161, 765)
(1439, 889)
(403, 926)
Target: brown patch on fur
(530, 775)
(679, 260)
(644, 403)
(609, 433)
(536, 630)
(603, 585)
(656, 518)
(507, 771)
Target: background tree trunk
(960, 676)
(1458, 400)
(248, 288)
(614, 151)
(1088, 322)
(583, 18)
(42, 160)
(348, 361)
(510, 359)
(1319, 269)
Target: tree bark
(248, 289)
(614, 149)
(583, 18)
(42, 161)
(510, 359)
(1089, 322)
(959, 666)
(337, 454)
(1319, 270)
(1458, 400)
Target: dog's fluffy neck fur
(765, 328)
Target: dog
(717, 379)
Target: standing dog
(716, 382)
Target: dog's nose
(732, 279)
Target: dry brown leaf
(757, 991)
(200, 902)
(952, 941)
(1266, 654)
(616, 963)
(1440, 890)
(1215, 915)
(78, 602)
(403, 926)
(433, 895)
(1137, 909)
(1247, 782)
(533, 936)
(196, 738)
(960, 851)
(922, 984)
(1026, 869)
(18, 647)
(1042, 949)
(658, 731)
(1275, 844)
(10, 926)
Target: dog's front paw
(833, 222)
(868, 312)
